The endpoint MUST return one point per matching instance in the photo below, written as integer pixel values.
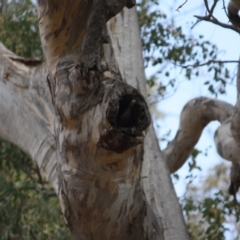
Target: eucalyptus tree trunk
(80, 119)
(82, 116)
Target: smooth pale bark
(26, 110)
(225, 142)
(158, 187)
(197, 113)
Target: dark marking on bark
(122, 14)
(83, 103)
(48, 36)
(6, 76)
(235, 180)
(216, 134)
(119, 46)
(219, 148)
(118, 140)
(97, 30)
(62, 98)
(59, 30)
(27, 62)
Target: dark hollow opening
(127, 115)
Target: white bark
(157, 184)
(226, 145)
(196, 114)
(26, 112)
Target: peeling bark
(100, 125)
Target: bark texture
(164, 211)
(26, 110)
(78, 117)
(84, 126)
(100, 122)
(197, 113)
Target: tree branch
(226, 145)
(215, 21)
(26, 111)
(196, 114)
(235, 124)
(210, 17)
(181, 6)
(207, 63)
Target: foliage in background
(29, 208)
(166, 47)
(210, 211)
(19, 28)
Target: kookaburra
(233, 8)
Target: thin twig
(181, 6)
(206, 5)
(207, 63)
(215, 21)
(224, 8)
(212, 8)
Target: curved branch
(26, 111)
(196, 114)
(216, 22)
(228, 149)
(226, 145)
(233, 8)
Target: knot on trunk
(129, 118)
